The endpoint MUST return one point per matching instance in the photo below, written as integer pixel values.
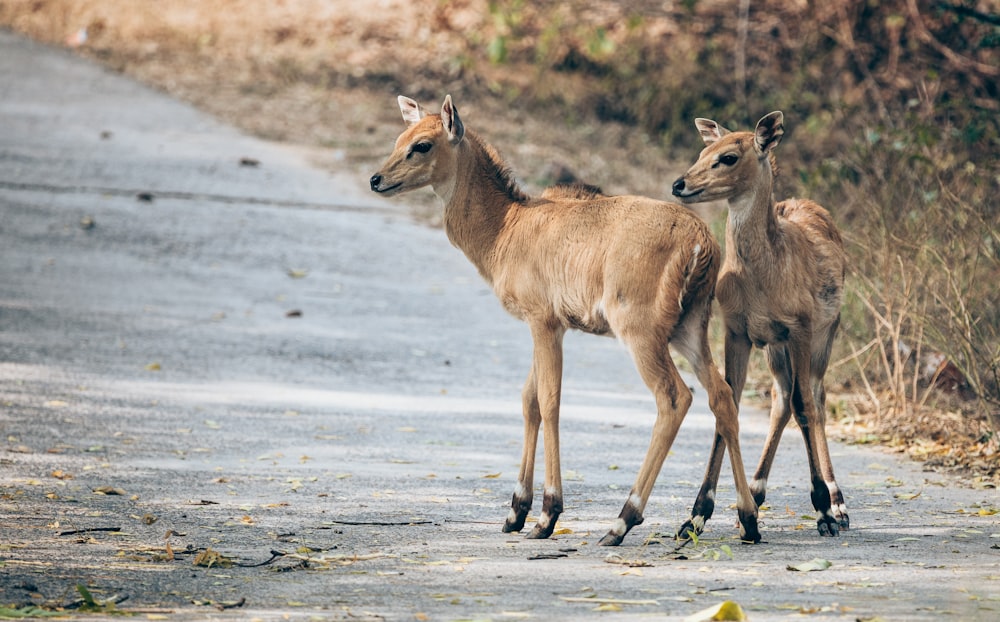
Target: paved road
(257, 359)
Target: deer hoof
(539, 533)
(828, 526)
(611, 539)
(691, 527)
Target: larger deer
(780, 289)
(631, 267)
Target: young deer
(631, 267)
(779, 289)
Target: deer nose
(375, 181)
(678, 186)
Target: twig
(88, 530)
(607, 601)
(274, 555)
(381, 523)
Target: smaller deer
(573, 258)
(780, 289)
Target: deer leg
(673, 399)
(781, 413)
(720, 399)
(520, 504)
(704, 503)
(547, 373)
(820, 360)
(814, 435)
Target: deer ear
(769, 131)
(412, 112)
(710, 130)
(451, 121)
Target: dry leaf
(109, 490)
(811, 565)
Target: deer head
(424, 153)
(731, 162)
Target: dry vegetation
(892, 110)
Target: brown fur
(780, 288)
(635, 268)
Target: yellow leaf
(297, 274)
(491, 476)
(154, 366)
(988, 512)
(56, 404)
(608, 607)
(562, 531)
(727, 611)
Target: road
(236, 386)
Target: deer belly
(765, 332)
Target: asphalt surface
(232, 390)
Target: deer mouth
(387, 188)
(687, 194)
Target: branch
(956, 59)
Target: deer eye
(422, 147)
(729, 159)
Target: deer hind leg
(820, 360)
(520, 504)
(727, 432)
(673, 399)
(814, 435)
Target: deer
(634, 268)
(780, 289)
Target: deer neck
(475, 206)
(752, 234)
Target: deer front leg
(547, 372)
(520, 504)
(781, 412)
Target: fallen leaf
(210, 558)
(813, 564)
(724, 611)
(491, 476)
(154, 366)
(109, 490)
(297, 274)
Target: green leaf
(88, 598)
